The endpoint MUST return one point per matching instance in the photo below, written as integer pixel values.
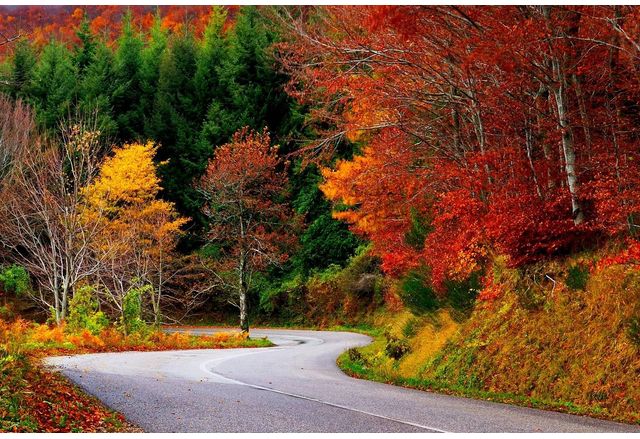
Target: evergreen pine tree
(175, 125)
(127, 105)
(97, 88)
(85, 50)
(150, 69)
(252, 90)
(22, 69)
(212, 53)
(53, 88)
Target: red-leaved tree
(509, 129)
(243, 187)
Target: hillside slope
(556, 337)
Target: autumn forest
(460, 183)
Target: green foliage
(151, 56)
(410, 329)
(324, 242)
(131, 320)
(84, 51)
(577, 277)
(84, 312)
(6, 312)
(96, 88)
(356, 356)
(461, 295)
(174, 125)
(15, 279)
(128, 91)
(420, 228)
(53, 86)
(396, 348)
(284, 298)
(211, 250)
(417, 294)
(633, 330)
(22, 69)
(213, 51)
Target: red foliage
(55, 405)
(243, 184)
(629, 256)
(512, 128)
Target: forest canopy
(432, 138)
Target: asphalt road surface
(293, 387)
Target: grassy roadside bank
(354, 364)
(560, 345)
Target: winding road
(293, 387)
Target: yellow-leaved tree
(138, 231)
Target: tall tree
(54, 85)
(152, 54)
(41, 224)
(243, 186)
(254, 92)
(497, 137)
(22, 69)
(85, 50)
(96, 89)
(212, 53)
(138, 231)
(175, 124)
(127, 104)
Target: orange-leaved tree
(139, 231)
(243, 185)
(522, 142)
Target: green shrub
(131, 321)
(211, 251)
(282, 296)
(419, 229)
(326, 241)
(15, 279)
(5, 312)
(417, 294)
(84, 312)
(410, 328)
(396, 348)
(633, 330)
(461, 295)
(356, 356)
(577, 277)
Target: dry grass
(538, 343)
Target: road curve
(293, 387)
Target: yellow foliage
(128, 177)
(122, 200)
(86, 340)
(46, 334)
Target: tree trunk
(244, 322)
(559, 89)
(568, 149)
(242, 290)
